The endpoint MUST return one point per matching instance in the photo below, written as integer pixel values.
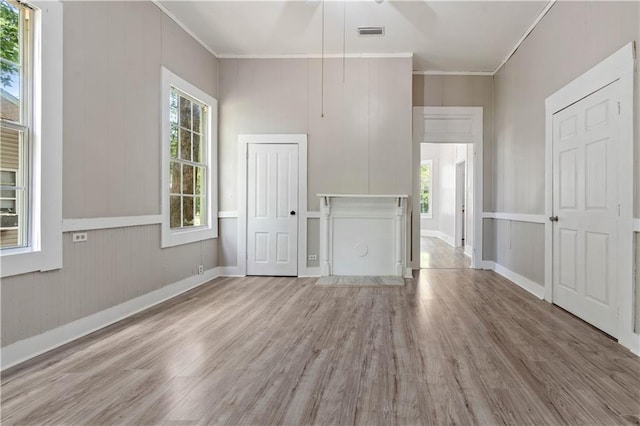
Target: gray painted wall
(363, 143)
(568, 41)
(112, 57)
(113, 266)
(637, 288)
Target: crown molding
(184, 27)
(316, 55)
(489, 73)
(526, 34)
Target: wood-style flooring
(452, 347)
(437, 254)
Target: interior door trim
(243, 150)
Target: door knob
(553, 218)
(293, 213)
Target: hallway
(437, 254)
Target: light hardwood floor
(437, 254)
(452, 347)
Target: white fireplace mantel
(363, 234)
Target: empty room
(319, 212)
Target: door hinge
(618, 107)
(618, 209)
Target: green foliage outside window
(9, 42)
(425, 188)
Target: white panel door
(272, 204)
(585, 203)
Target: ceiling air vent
(371, 31)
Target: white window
(426, 189)
(189, 148)
(16, 52)
(30, 136)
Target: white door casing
(585, 203)
(461, 194)
(454, 125)
(272, 204)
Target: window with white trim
(16, 50)
(426, 189)
(31, 136)
(189, 167)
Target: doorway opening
(444, 195)
(447, 127)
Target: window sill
(426, 215)
(175, 238)
(24, 260)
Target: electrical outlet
(79, 237)
(313, 257)
(200, 270)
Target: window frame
(429, 163)
(178, 236)
(44, 249)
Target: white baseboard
(30, 347)
(438, 234)
(488, 264)
(468, 250)
(522, 282)
(230, 271)
(310, 272)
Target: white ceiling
(445, 36)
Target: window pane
(13, 149)
(175, 181)
(10, 77)
(197, 148)
(425, 186)
(10, 80)
(200, 176)
(196, 118)
(173, 107)
(9, 237)
(187, 179)
(185, 113)
(185, 144)
(174, 141)
(175, 218)
(10, 19)
(12, 201)
(8, 177)
(187, 211)
(200, 217)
